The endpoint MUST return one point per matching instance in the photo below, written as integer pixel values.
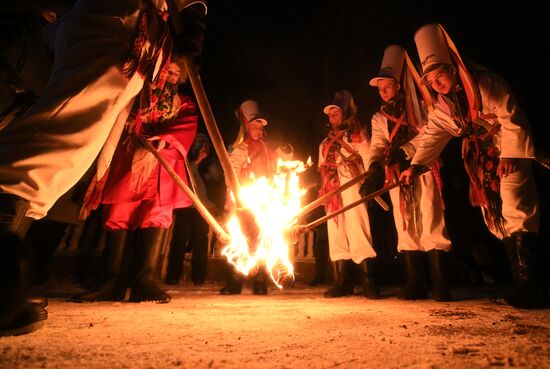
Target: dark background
(291, 56)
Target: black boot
(259, 282)
(344, 284)
(17, 316)
(112, 282)
(524, 253)
(439, 266)
(415, 288)
(367, 279)
(234, 283)
(144, 262)
(181, 234)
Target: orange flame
(275, 203)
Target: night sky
(291, 56)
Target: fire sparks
(275, 204)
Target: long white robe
(349, 237)
(425, 223)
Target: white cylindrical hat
(250, 112)
(392, 64)
(432, 48)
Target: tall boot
(344, 283)
(259, 282)
(415, 288)
(112, 281)
(439, 267)
(234, 281)
(181, 233)
(528, 291)
(367, 279)
(144, 261)
(17, 316)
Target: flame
(275, 203)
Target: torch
(247, 221)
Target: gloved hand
(193, 22)
(374, 179)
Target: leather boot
(439, 267)
(234, 283)
(144, 261)
(344, 284)
(17, 316)
(367, 279)
(528, 291)
(259, 282)
(415, 288)
(112, 282)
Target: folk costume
(251, 157)
(483, 111)
(341, 157)
(418, 208)
(137, 193)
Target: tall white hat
(432, 47)
(392, 64)
(249, 112)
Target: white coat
(350, 237)
(425, 224)
(520, 206)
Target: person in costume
(139, 195)
(497, 148)
(104, 50)
(418, 208)
(251, 157)
(341, 157)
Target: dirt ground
(293, 328)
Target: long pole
(181, 184)
(308, 227)
(206, 111)
(348, 147)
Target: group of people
(94, 111)
(421, 111)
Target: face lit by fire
(255, 129)
(172, 73)
(388, 88)
(335, 116)
(442, 80)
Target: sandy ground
(293, 328)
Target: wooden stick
(206, 111)
(308, 227)
(181, 184)
(348, 147)
(320, 200)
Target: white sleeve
(379, 142)
(433, 138)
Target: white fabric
(425, 221)
(518, 191)
(351, 237)
(44, 153)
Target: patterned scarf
(140, 59)
(332, 150)
(481, 159)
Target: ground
(293, 328)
